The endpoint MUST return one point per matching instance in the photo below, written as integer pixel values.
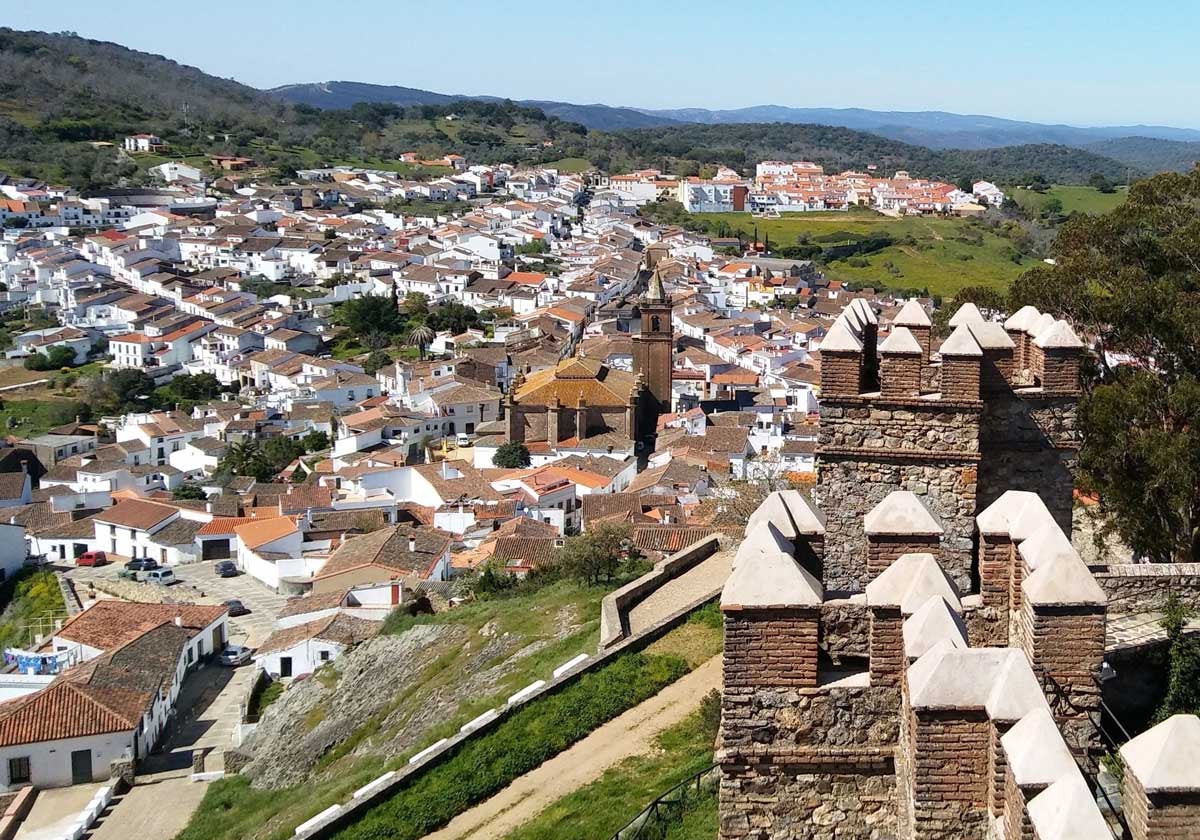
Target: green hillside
(59, 93)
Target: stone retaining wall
(614, 609)
(1144, 587)
(16, 811)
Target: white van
(162, 577)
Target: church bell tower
(653, 349)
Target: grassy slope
(940, 267)
(232, 809)
(599, 809)
(28, 596)
(1074, 199)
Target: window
(324, 656)
(18, 770)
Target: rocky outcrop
(384, 697)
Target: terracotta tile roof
(668, 539)
(389, 549)
(604, 505)
(66, 709)
(262, 531)
(224, 525)
(312, 603)
(524, 526)
(338, 628)
(12, 485)
(572, 379)
(110, 623)
(305, 496)
(532, 552)
(137, 514)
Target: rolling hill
(935, 129)
(341, 95)
(1150, 153)
(60, 93)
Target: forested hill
(742, 145)
(1150, 153)
(59, 92)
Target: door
(285, 666)
(81, 767)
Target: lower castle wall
(803, 802)
(808, 764)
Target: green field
(939, 254)
(1074, 199)
(570, 165)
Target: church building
(581, 398)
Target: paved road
(199, 583)
(165, 777)
(633, 733)
(1134, 630)
(706, 578)
(55, 810)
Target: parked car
(226, 568)
(141, 564)
(92, 558)
(462, 440)
(236, 607)
(160, 577)
(233, 655)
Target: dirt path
(632, 733)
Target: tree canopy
(511, 455)
(1131, 279)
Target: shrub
(538, 732)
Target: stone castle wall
(808, 763)
(1029, 441)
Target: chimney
(208, 507)
(289, 490)
(412, 543)
(178, 621)
(24, 466)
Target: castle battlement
(990, 413)
(945, 718)
(915, 652)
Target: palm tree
(420, 337)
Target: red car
(92, 558)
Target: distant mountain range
(933, 129)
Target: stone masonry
(991, 426)
(934, 677)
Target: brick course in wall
(883, 550)
(1159, 816)
(960, 379)
(949, 760)
(887, 646)
(900, 376)
(771, 648)
(1067, 644)
(996, 375)
(841, 374)
(1060, 372)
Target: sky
(1082, 62)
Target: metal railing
(1110, 735)
(668, 808)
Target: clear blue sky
(1085, 63)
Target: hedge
(538, 732)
